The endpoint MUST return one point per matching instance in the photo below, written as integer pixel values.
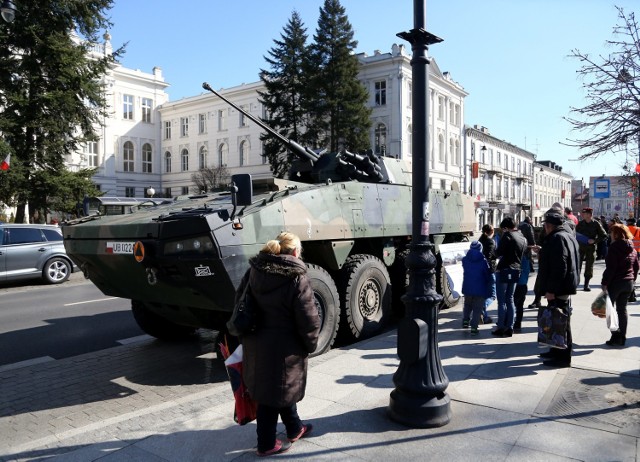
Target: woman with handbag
(275, 354)
(619, 277)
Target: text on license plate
(120, 247)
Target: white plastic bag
(612, 316)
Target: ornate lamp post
(8, 10)
(419, 399)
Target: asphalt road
(40, 322)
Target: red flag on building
(5, 163)
(475, 167)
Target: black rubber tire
(56, 271)
(157, 326)
(366, 295)
(328, 303)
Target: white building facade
(149, 141)
(127, 155)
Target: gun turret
(313, 167)
(300, 151)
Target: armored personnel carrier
(180, 263)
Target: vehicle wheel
(56, 270)
(157, 326)
(328, 304)
(366, 295)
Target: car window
(52, 235)
(24, 235)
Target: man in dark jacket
(558, 276)
(511, 248)
(526, 229)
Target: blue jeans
(489, 301)
(506, 281)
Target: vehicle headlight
(194, 246)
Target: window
(451, 148)
(127, 107)
(441, 148)
(91, 151)
(452, 119)
(129, 191)
(458, 118)
(443, 184)
(127, 156)
(380, 93)
(410, 95)
(185, 190)
(223, 154)
(146, 109)
(264, 157)
(167, 130)
(458, 154)
(25, 235)
(380, 141)
(222, 120)
(410, 140)
(242, 122)
(243, 152)
(202, 123)
(202, 157)
(185, 160)
(167, 162)
(184, 126)
(167, 192)
(440, 107)
(146, 158)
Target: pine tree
(285, 85)
(337, 101)
(51, 91)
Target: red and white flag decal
(5, 163)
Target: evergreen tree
(336, 100)
(285, 83)
(51, 91)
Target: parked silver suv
(33, 251)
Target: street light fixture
(150, 191)
(8, 11)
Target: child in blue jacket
(476, 286)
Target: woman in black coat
(275, 356)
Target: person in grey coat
(275, 355)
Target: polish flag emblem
(5, 163)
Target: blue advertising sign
(602, 188)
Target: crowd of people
(498, 267)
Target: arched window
(185, 160)
(127, 155)
(380, 139)
(223, 154)
(202, 157)
(146, 158)
(441, 148)
(243, 151)
(167, 162)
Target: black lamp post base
(419, 411)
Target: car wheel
(56, 270)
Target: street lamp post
(8, 10)
(419, 398)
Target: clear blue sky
(510, 55)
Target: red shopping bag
(245, 406)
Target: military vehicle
(180, 263)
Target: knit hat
(553, 216)
(475, 245)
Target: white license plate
(120, 247)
